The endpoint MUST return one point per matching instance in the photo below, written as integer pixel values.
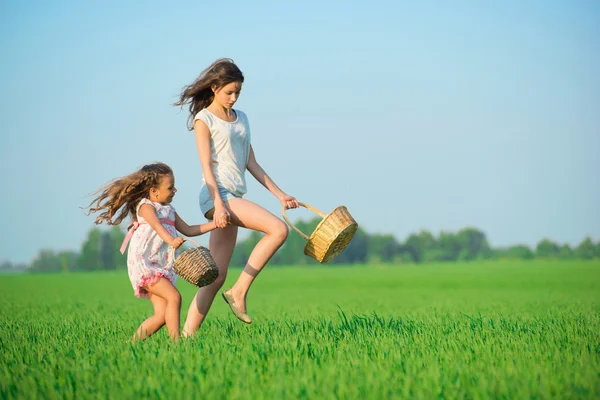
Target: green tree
(67, 260)
(547, 249)
(586, 249)
(106, 252)
(449, 247)
(117, 236)
(519, 251)
(407, 254)
(565, 252)
(89, 259)
(383, 247)
(45, 261)
(473, 244)
(422, 246)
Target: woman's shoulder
(205, 116)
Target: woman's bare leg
(221, 245)
(249, 215)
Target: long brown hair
(199, 94)
(122, 196)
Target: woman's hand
(221, 217)
(289, 202)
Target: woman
(223, 141)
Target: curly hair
(121, 196)
(200, 94)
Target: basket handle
(185, 239)
(191, 240)
(311, 208)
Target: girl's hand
(177, 242)
(221, 217)
(289, 202)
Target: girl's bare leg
(153, 323)
(221, 245)
(165, 290)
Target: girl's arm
(261, 176)
(221, 215)
(149, 214)
(194, 230)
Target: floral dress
(150, 258)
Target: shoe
(236, 311)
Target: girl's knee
(160, 320)
(175, 298)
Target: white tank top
(230, 148)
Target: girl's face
(165, 190)
(227, 95)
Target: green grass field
(509, 330)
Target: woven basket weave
(196, 266)
(331, 236)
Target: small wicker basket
(196, 266)
(331, 236)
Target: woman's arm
(221, 215)
(149, 214)
(194, 230)
(261, 176)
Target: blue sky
(415, 115)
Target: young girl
(223, 142)
(146, 197)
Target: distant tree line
(100, 250)
(422, 247)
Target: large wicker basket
(331, 236)
(196, 266)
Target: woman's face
(227, 95)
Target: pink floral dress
(149, 257)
